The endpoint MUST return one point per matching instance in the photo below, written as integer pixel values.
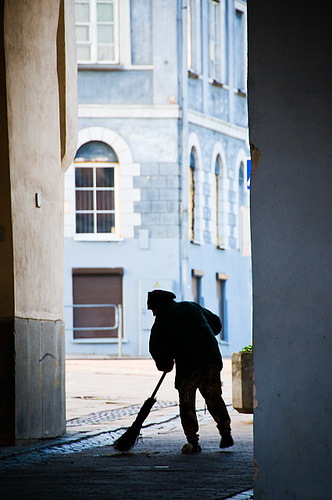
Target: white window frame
(221, 239)
(221, 283)
(217, 41)
(199, 199)
(241, 60)
(194, 36)
(122, 47)
(196, 286)
(192, 190)
(219, 201)
(128, 194)
(101, 236)
(242, 216)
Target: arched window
(96, 189)
(192, 192)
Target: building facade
(157, 195)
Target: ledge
(240, 92)
(100, 67)
(216, 83)
(112, 67)
(193, 74)
(98, 341)
(94, 237)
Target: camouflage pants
(207, 380)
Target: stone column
(38, 135)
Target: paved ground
(103, 397)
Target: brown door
(102, 287)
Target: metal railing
(117, 321)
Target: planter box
(243, 381)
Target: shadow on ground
(154, 469)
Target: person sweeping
(184, 333)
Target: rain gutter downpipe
(183, 149)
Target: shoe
(226, 441)
(191, 448)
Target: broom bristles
(128, 439)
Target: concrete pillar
(7, 368)
(38, 137)
(242, 381)
(290, 106)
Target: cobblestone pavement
(83, 464)
(110, 415)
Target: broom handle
(158, 385)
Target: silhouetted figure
(184, 332)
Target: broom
(129, 438)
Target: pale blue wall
(237, 291)
(155, 264)
(218, 102)
(155, 145)
(147, 139)
(115, 87)
(195, 94)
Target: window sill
(216, 83)
(98, 341)
(193, 74)
(240, 92)
(221, 247)
(114, 67)
(100, 67)
(98, 237)
(196, 242)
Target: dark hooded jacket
(184, 332)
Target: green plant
(248, 348)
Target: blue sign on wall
(248, 173)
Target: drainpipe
(183, 149)
(230, 20)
